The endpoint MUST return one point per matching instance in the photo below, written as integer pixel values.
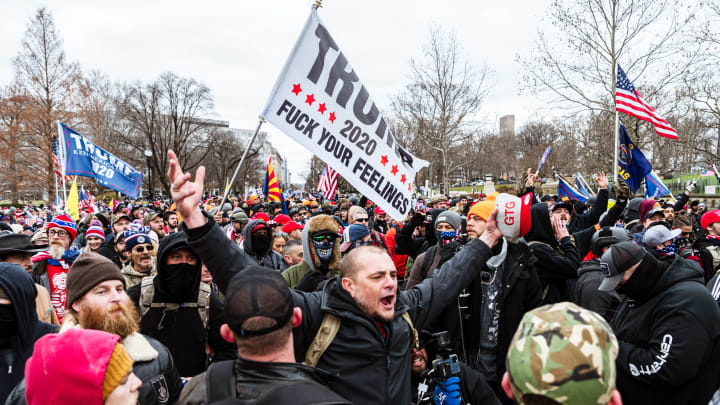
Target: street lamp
(148, 155)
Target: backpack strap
(203, 304)
(147, 291)
(220, 381)
(430, 261)
(326, 333)
(415, 339)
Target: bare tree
(575, 58)
(444, 92)
(15, 107)
(169, 113)
(225, 154)
(51, 83)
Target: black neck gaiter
(646, 276)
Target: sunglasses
(140, 249)
(323, 238)
(362, 220)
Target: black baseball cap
(617, 260)
(17, 243)
(257, 292)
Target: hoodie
(558, 261)
(269, 258)
(311, 262)
(181, 330)
(20, 289)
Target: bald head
(358, 259)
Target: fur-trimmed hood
(317, 224)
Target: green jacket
(295, 273)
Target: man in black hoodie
(257, 243)
(179, 311)
(19, 325)
(668, 328)
(558, 259)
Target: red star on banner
(296, 89)
(310, 98)
(383, 160)
(322, 108)
(403, 179)
(332, 117)
(394, 170)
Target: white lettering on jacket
(655, 367)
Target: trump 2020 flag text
(84, 158)
(320, 102)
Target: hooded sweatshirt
(295, 274)
(16, 349)
(558, 261)
(181, 330)
(269, 258)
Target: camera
(446, 364)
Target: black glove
(684, 247)
(310, 281)
(417, 219)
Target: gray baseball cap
(617, 260)
(659, 234)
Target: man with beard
(370, 352)
(257, 243)
(170, 219)
(153, 220)
(179, 310)
(120, 223)
(19, 324)
(97, 300)
(50, 268)
(379, 221)
(140, 250)
(668, 328)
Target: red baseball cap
(282, 219)
(709, 218)
(379, 211)
(291, 226)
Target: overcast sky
(237, 48)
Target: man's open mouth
(388, 301)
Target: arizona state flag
(272, 187)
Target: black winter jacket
(181, 330)
(703, 246)
(256, 381)
(405, 244)
(557, 263)
(583, 221)
(670, 342)
(370, 368)
(587, 295)
(270, 259)
(19, 287)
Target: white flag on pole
(320, 102)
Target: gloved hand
(447, 392)
(622, 191)
(684, 247)
(310, 281)
(690, 188)
(417, 219)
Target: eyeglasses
(140, 249)
(59, 233)
(362, 220)
(323, 238)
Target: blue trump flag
(84, 158)
(633, 166)
(565, 189)
(654, 187)
(579, 186)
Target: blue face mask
(446, 237)
(668, 250)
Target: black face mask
(261, 242)
(641, 283)
(180, 281)
(8, 324)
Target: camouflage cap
(565, 353)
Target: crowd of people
(194, 300)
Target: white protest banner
(320, 102)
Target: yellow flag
(71, 205)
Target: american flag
(629, 101)
(56, 161)
(328, 182)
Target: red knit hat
(95, 231)
(80, 356)
(66, 223)
(709, 218)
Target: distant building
(507, 125)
